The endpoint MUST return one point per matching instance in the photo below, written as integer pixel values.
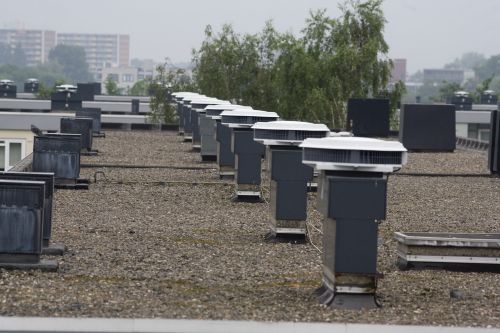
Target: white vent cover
(199, 104)
(354, 154)
(288, 132)
(214, 111)
(8, 82)
(246, 118)
(337, 134)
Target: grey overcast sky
(429, 33)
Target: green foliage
(469, 60)
(310, 77)
(72, 61)
(140, 88)
(491, 67)
(161, 110)
(446, 91)
(44, 92)
(111, 86)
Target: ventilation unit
(82, 126)
(48, 179)
(96, 115)
(31, 86)
(60, 154)
(352, 198)
(462, 101)
(489, 97)
(198, 108)
(66, 100)
(21, 225)
(208, 127)
(186, 117)
(136, 105)
(8, 89)
(178, 98)
(368, 117)
(248, 153)
(88, 90)
(428, 127)
(289, 176)
(494, 147)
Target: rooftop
(157, 236)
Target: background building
(36, 44)
(443, 75)
(398, 71)
(102, 50)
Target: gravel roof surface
(170, 243)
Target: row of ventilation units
(27, 191)
(86, 91)
(351, 171)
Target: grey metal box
(195, 126)
(48, 179)
(286, 164)
(289, 200)
(368, 116)
(242, 143)
(135, 105)
(357, 198)
(248, 169)
(21, 217)
(356, 246)
(428, 127)
(186, 112)
(225, 156)
(207, 134)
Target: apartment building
(36, 44)
(102, 50)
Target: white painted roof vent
(246, 118)
(288, 132)
(214, 111)
(354, 154)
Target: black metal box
(95, 114)
(59, 154)
(82, 126)
(21, 214)
(243, 143)
(87, 91)
(48, 179)
(368, 117)
(31, 87)
(65, 100)
(462, 103)
(8, 91)
(428, 127)
(494, 147)
(136, 105)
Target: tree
(161, 110)
(140, 88)
(491, 67)
(73, 62)
(469, 60)
(447, 89)
(111, 86)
